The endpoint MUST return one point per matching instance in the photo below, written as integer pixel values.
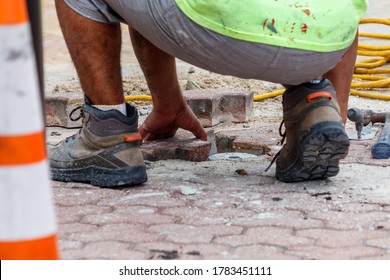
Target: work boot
(315, 135)
(105, 152)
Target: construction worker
(308, 46)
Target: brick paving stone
(70, 228)
(65, 245)
(119, 232)
(71, 214)
(322, 253)
(208, 251)
(338, 238)
(63, 217)
(374, 193)
(72, 188)
(160, 249)
(302, 202)
(193, 234)
(213, 106)
(383, 225)
(382, 256)
(287, 219)
(76, 197)
(361, 207)
(211, 216)
(380, 242)
(271, 236)
(143, 196)
(170, 250)
(182, 146)
(259, 252)
(350, 221)
(104, 250)
(229, 200)
(127, 217)
(59, 106)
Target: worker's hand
(160, 125)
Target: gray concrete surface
(223, 209)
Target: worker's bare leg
(95, 50)
(341, 78)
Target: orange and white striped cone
(27, 217)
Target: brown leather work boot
(105, 152)
(315, 135)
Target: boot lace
(75, 119)
(283, 135)
(81, 114)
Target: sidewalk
(224, 209)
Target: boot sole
(319, 154)
(102, 177)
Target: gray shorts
(163, 24)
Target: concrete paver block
(58, 107)
(264, 235)
(257, 141)
(211, 106)
(108, 249)
(324, 253)
(188, 234)
(349, 238)
(260, 252)
(182, 146)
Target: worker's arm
(170, 110)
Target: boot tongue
(87, 100)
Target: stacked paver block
(59, 106)
(213, 106)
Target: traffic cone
(27, 217)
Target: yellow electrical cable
(366, 70)
(268, 95)
(370, 95)
(374, 48)
(373, 35)
(369, 77)
(372, 71)
(385, 83)
(138, 98)
(372, 63)
(385, 21)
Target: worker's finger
(148, 137)
(200, 133)
(197, 129)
